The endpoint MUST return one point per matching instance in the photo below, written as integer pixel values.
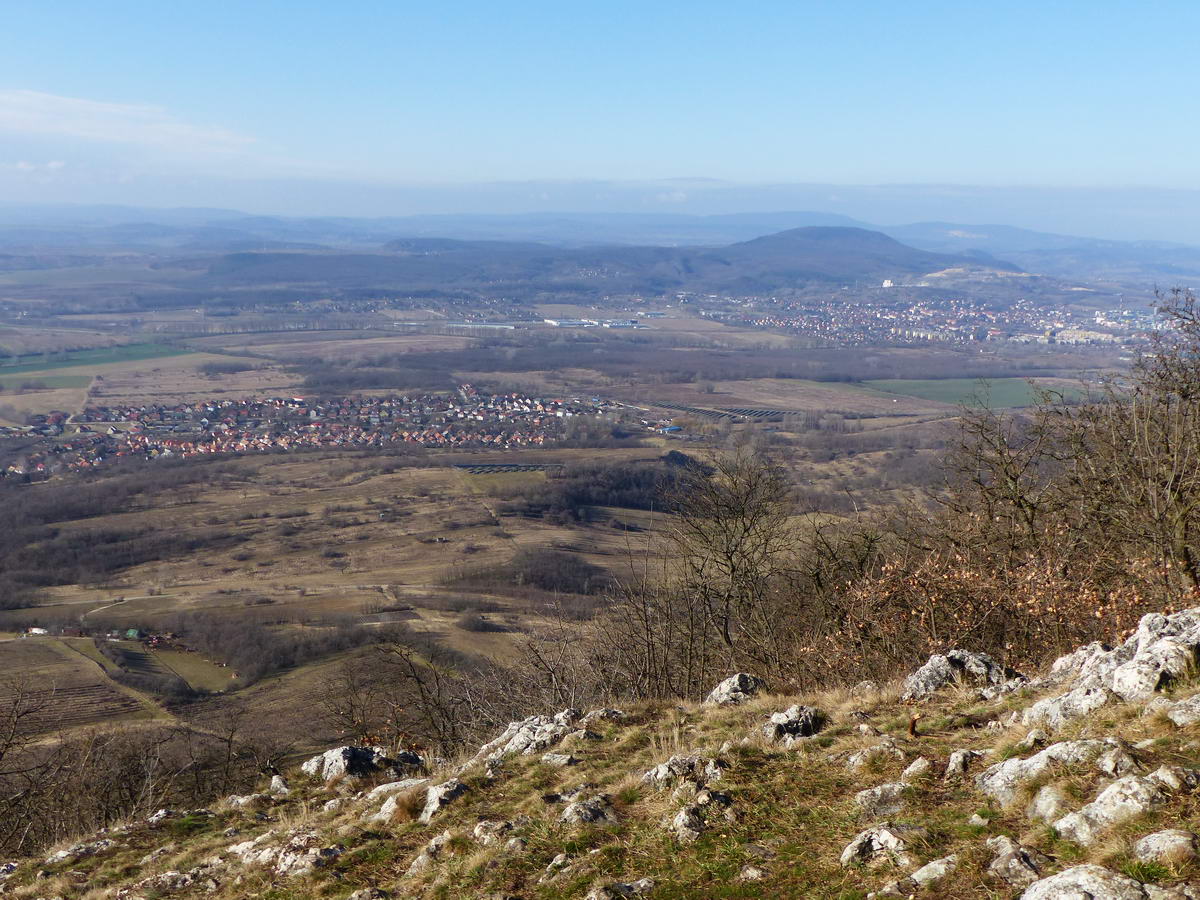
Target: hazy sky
(122, 99)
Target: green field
(997, 393)
(197, 671)
(43, 362)
(11, 382)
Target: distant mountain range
(217, 231)
(790, 258)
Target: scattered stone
(243, 800)
(514, 845)
(439, 796)
(752, 873)
(792, 724)
(865, 687)
(80, 851)
(886, 747)
(1162, 648)
(952, 667)
(688, 824)
(1003, 780)
(1014, 864)
(1118, 760)
(885, 800)
(596, 810)
(369, 894)
(735, 689)
(1034, 739)
(562, 760)
(1048, 804)
(617, 889)
(1122, 800)
(602, 715)
(978, 821)
(348, 761)
(1176, 778)
(1006, 687)
(428, 856)
(299, 853)
(881, 844)
(160, 815)
(488, 833)
(1185, 712)
(918, 768)
(923, 877)
(1086, 882)
(278, 787)
(555, 866)
(531, 735)
(959, 761)
(1171, 846)
(698, 769)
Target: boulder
(959, 762)
(617, 889)
(688, 824)
(697, 769)
(918, 768)
(1014, 864)
(735, 689)
(279, 787)
(1185, 712)
(595, 810)
(886, 747)
(793, 723)
(1162, 648)
(882, 844)
(1171, 846)
(1048, 804)
(885, 800)
(1003, 781)
(488, 833)
(1122, 800)
(562, 760)
(531, 735)
(602, 715)
(953, 667)
(1086, 882)
(439, 796)
(354, 762)
(927, 875)
(429, 854)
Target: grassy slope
(793, 812)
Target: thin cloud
(37, 113)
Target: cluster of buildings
(874, 320)
(153, 431)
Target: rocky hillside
(965, 780)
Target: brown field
(71, 683)
(322, 535)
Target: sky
(363, 107)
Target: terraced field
(73, 688)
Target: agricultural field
(998, 392)
(73, 686)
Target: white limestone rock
(439, 796)
(953, 667)
(882, 844)
(885, 800)
(1122, 800)
(1014, 864)
(735, 689)
(1171, 846)
(1086, 882)
(1003, 780)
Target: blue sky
(100, 98)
